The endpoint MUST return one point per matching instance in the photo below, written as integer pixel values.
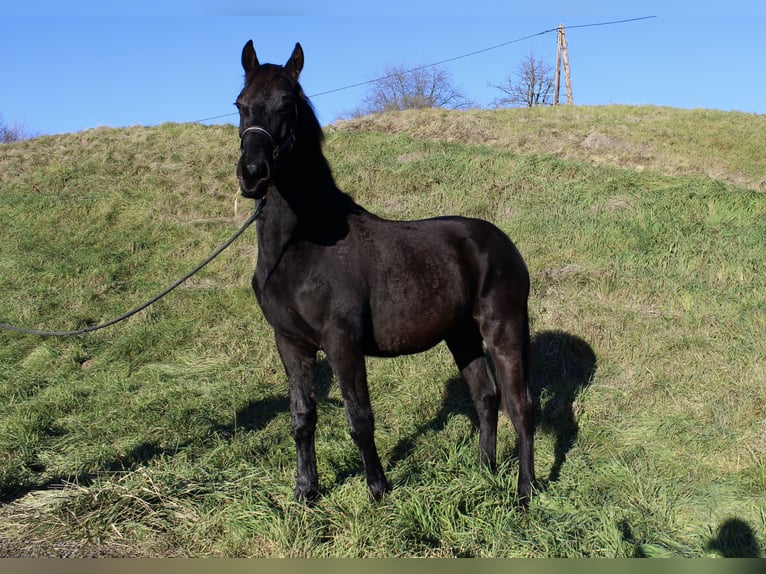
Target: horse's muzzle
(254, 178)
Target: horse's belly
(418, 302)
(400, 331)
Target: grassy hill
(169, 435)
(725, 146)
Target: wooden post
(557, 80)
(562, 53)
(565, 54)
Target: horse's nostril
(256, 170)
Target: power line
(475, 53)
(609, 23)
(214, 118)
(441, 62)
(454, 59)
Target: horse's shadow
(456, 400)
(561, 365)
(131, 458)
(253, 416)
(257, 414)
(735, 538)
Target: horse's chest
(293, 297)
(273, 294)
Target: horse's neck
(304, 205)
(276, 226)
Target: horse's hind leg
(468, 351)
(300, 363)
(508, 343)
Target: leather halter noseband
(276, 149)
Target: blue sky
(69, 66)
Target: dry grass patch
(665, 140)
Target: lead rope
(151, 301)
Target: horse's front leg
(350, 370)
(300, 364)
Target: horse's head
(268, 117)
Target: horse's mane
(311, 130)
(308, 118)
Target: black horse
(332, 276)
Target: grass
(169, 435)
(665, 140)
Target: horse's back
(453, 247)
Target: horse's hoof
(377, 492)
(523, 496)
(307, 495)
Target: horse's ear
(295, 63)
(249, 59)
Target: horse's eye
(244, 111)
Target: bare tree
(401, 89)
(531, 85)
(13, 133)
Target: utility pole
(562, 53)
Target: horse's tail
(526, 359)
(508, 398)
(518, 402)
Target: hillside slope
(727, 146)
(170, 434)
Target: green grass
(169, 435)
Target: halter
(276, 149)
